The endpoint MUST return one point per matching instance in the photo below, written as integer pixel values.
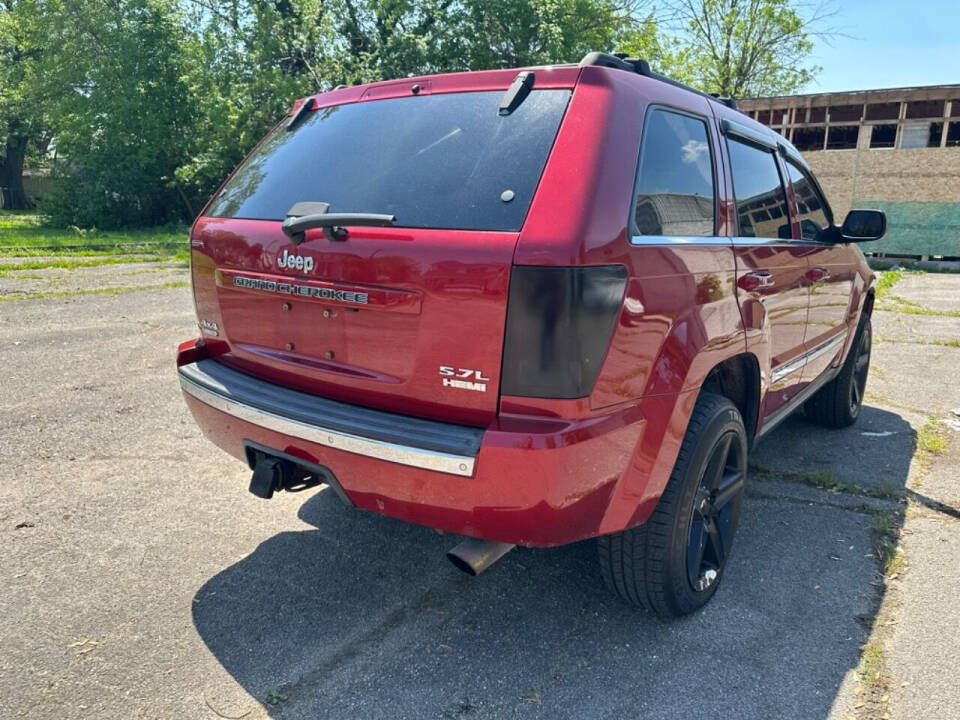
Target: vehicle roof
(547, 77)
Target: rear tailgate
(408, 318)
(421, 314)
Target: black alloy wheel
(838, 403)
(861, 367)
(716, 509)
(674, 562)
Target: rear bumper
(414, 442)
(525, 480)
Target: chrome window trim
(680, 240)
(791, 366)
(461, 465)
(721, 240)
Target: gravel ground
(141, 580)
(81, 280)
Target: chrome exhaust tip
(473, 556)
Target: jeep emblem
(289, 261)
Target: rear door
(830, 275)
(408, 318)
(771, 267)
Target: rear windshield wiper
(305, 216)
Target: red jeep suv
(530, 308)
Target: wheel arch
(737, 378)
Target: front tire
(838, 403)
(673, 563)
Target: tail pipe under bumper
(473, 555)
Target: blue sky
(891, 44)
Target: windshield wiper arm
(305, 216)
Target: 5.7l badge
(463, 378)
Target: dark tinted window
(441, 161)
(675, 194)
(761, 201)
(810, 204)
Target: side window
(758, 191)
(675, 189)
(810, 204)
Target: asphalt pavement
(141, 580)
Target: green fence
(917, 228)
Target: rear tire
(838, 403)
(673, 563)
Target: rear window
(438, 161)
(675, 194)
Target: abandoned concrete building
(897, 150)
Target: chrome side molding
(791, 366)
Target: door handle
(817, 274)
(755, 280)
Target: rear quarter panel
(680, 315)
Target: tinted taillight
(559, 323)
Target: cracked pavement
(141, 580)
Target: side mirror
(864, 225)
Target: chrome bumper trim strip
(461, 465)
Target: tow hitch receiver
(274, 471)
(269, 476)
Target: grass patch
(931, 438)
(154, 270)
(942, 343)
(871, 665)
(894, 303)
(825, 480)
(882, 525)
(897, 304)
(887, 280)
(886, 530)
(94, 291)
(931, 441)
(6, 268)
(872, 692)
(28, 234)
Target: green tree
(121, 111)
(249, 59)
(393, 38)
(22, 107)
(666, 54)
(245, 63)
(743, 48)
(511, 33)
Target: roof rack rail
(620, 61)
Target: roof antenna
(517, 92)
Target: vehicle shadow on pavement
(363, 617)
